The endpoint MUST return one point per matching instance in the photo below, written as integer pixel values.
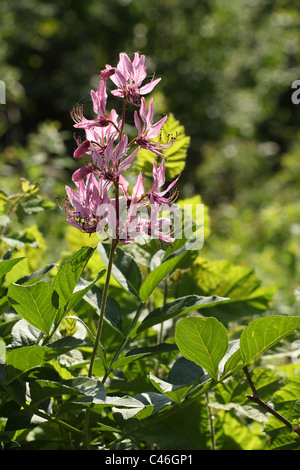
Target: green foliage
(180, 325)
(142, 384)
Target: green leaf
(113, 312)
(8, 264)
(185, 372)
(204, 341)
(137, 353)
(21, 360)
(36, 275)
(174, 392)
(133, 408)
(232, 359)
(34, 303)
(286, 402)
(125, 270)
(264, 333)
(81, 289)
(171, 262)
(178, 307)
(23, 419)
(19, 240)
(90, 389)
(68, 276)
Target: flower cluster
(104, 201)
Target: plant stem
(256, 399)
(124, 342)
(103, 305)
(99, 331)
(210, 422)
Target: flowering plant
(124, 215)
(141, 377)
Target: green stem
(34, 410)
(124, 342)
(210, 422)
(103, 305)
(98, 333)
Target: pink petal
(149, 87)
(155, 128)
(124, 65)
(137, 123)
(143, 110)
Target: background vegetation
(227, 70)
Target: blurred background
(227, 70)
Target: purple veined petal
(119, 93)
(124, 65)
(99, 99)
(149, 87)
(123, 184)
(82, 172)
(125, 164)
(139, 69)
(108, 154)
(138, 189)
(159, 174)
(162, 193)
(119, 79)
(143, 110)
(75, 199)
(155, 128)
(137, 123)
(149, 116)
(82, 149)
(107, 72)
(120, 151)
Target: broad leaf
(174, 392)
(81, 289)
(68, 276)
(204, 341)
(34, 303)
(8, 264)
(178, 307)
(125, 270)
(171, 262)
(137, 353)
(113, 312)
(21, 360)
(263, 333)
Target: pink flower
(149, 130)
(156, 196)
(86, 201)
(128, 77)
(160, 227)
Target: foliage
(228, 69)
(166, 363)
